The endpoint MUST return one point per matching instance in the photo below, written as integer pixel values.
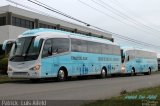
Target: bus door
(139, 65)
(47, 60)
(142, 65)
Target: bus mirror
(6, 42)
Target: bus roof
(133, 48)
(39, 31)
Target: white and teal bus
(47, 53)
(138, 61)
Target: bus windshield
(24, 50)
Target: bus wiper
(13, 57)
(29, 56)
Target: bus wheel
(149, 72)
(133, 73)
(61, 75)
(103, 73)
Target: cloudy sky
(136, 19)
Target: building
(14, 21)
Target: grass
(6, 79)
(142, 97)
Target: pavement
(88, 89)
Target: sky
(136, 19)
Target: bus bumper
(23, 74)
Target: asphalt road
(90, 89)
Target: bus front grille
(20, 73)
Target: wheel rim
(61, 74)
(103, 73)
(149, 71)
(132, 72)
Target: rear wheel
(149, 72)
(103, 73)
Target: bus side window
(47, 49)
(60, 45)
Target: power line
(107, 14)
(119, 36)
(61, 13)
(27, 7)
(129, 11)
(124, 16)
(58, 12)
(30, 8)
(129, 39)
(127, 16)
(111, 17)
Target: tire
(103, 73)
(61, 76)
(149, 72)
(133, 73)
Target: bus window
(47, 49)
(23, 50)
(106, 49)
(60, 45)
(94, 47)
(79, 45)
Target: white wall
(4, 33)
(33, 15)
(10, 32)
(15, 31)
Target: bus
(47, 53)
(136, 61)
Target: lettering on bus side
(107, 59)
(78, 58)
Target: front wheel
(133, 73)
(61, 75)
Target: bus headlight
(123, 68)
(36, 67)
